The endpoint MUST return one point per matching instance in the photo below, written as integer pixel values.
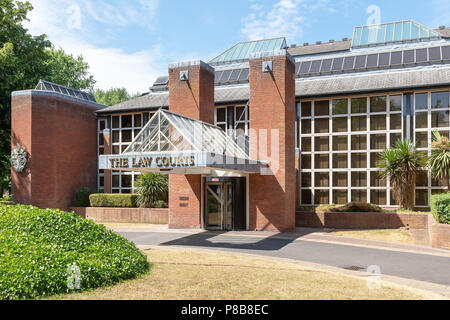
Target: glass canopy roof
(53, 87)
(167, 132)
(242, 50)
(403, 31)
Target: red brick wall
(60, 136)
(439, 234)
(194, 99)
(272, 197)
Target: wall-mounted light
(267, 66)
(184, 75)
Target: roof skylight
(403, 31)
(242, 50)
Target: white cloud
(283, 19)
(111, 67)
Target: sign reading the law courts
(150, 161)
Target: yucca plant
(151, 188)
(401, 165)
(439, 160)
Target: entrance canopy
(172, 143)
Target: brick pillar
(272, 110)
(195, 99)
(60, 136)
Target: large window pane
(322, 180)
(306, 144)
(376, 180)
(439, 119)
(305, 109)
(396, 121)
(378, 104)
(221, 115)
(359, 160)
(421, 101)
(377, 122)
(394, 138)
(378, 197)
(306, 197)
(306, 161)
(421, 197)
(321, 126)
(321, 197)
(422, 139)
(306, 180)
(127, 121)
(322, 144)
(116, 136)
(374, 159)
(340, 124)
(396, 103)
(359, 142)
(306, 126)
(340, 106)
(359, 105)
(322, 108)
(421, 120)
(340, 161)
(359, 196)
(422, 179)
(439, 100)
(377, 141)
(127, 136)
(340, 179)
(340, 143)
(359, 124)
(126, 181)
(340, 196)
(116, 122)
(359, 179)
(322, 161)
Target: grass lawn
(184, 274)
(391, 235)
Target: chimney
(441, 27)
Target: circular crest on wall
(19, 158)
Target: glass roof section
(53, 87)
(242, 50)
(167, 132)
(403, 31)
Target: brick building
(245, 138)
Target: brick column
(60, 135)
(272, 110)
(195, 99)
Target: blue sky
(128, 43)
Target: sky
(129, 43)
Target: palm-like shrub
(151, 188)
(439, 160)
(401, 165)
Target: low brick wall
(361, 220)
(439, 234)
(124, 215)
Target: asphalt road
(430, 268)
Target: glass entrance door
(219, 206)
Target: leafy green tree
(401, 164)
(439, 160)
(24, 60)
(113, 96)
(151, 188)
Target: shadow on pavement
(222, 240)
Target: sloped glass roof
(53, 87)
(167, 131)
(403, 31)
(242, 50)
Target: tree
(24, 60)
(113, 96)
(401, 164)
(151, 188)
(439, 160)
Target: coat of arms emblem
(19, 158)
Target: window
(322, 108)
(305, 109)
(322, 180)
(322, 161)
(377, 122)
(359, 142)
(359, 105)
(340, 124)
(322, 144)
(340, 179)
(340, 161)
(378, 104)
(421, 101)
(440, 100)
(359, 123)
(340, 143)
(321, 125)
(340, 106)
(396, 103)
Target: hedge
(41, 250)
(440, 207)
(350, 207)
(82, 197)
(104, 200)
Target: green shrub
(350, 207)
(440, 207)
(82, 197)
(152, 187)
(105, 200)
(37, 247)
